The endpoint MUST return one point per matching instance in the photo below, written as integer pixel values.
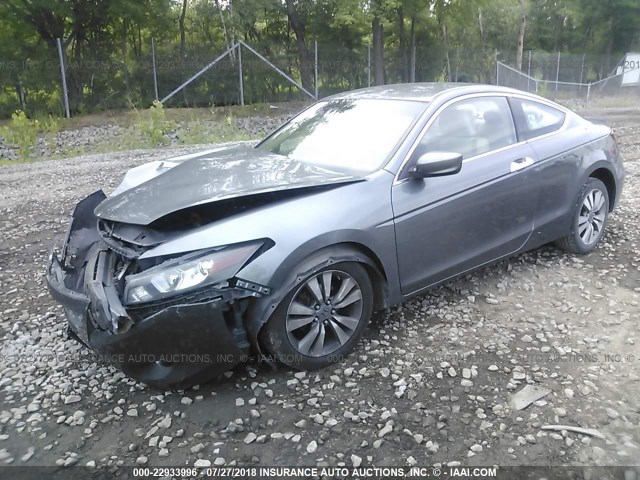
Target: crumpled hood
(215, 175)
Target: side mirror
(436, 164)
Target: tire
(294, 333)
(591, 210)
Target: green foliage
(543, 89)
(21, 133)
(48, 124)
(107, 45)
(154, 124)
(200, 131)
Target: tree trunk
(125, 55)
(139, 55)
(299, 29)
(289, 64)
(607, 58)
(523, 26)
(404, 51)
(183, 34)
(183, 44)
(445, 39)
(227, 40)
(75, 79)
(20, 92)
(412, 79)
(487, 70)
(483, 37)
(378, 50)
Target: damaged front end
(168, 322)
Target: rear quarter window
(534, 119)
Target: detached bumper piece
(176, 345)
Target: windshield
(346, 134)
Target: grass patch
(154, 124)
(150, 128)
(129, 118)
(21, 132)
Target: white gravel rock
(385, 430)
(165, 422)
(312, 447)
(69, 399)
(197, 448)
(612, 413)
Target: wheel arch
(297, 267)
(603, 173)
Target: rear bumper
(171, 345)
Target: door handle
(521, 163)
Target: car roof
(423, 92)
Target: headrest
(458, 122)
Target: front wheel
(590, 218)
(322, 318)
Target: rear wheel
(322, 318)
(590, 219)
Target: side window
(537, 119)
(471, 127)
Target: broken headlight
(186, 273)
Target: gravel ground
(432, 382)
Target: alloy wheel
(592, 217)
(324, 313)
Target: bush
(49, 125)
(21, 133)
(155, 125)
(543, 89)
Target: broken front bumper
(175, 344)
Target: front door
(448, 225)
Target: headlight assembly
(186, 273)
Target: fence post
(588, 91)
(457, 60)
(497, 70)
(529, 72)
(413, 62)
(558, 71)
(64, 80)
(369, 65)
(153, 60)
(241, 83)
(315, 68)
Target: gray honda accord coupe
(284, 249)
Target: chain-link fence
(566, 76)
(100, 80)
